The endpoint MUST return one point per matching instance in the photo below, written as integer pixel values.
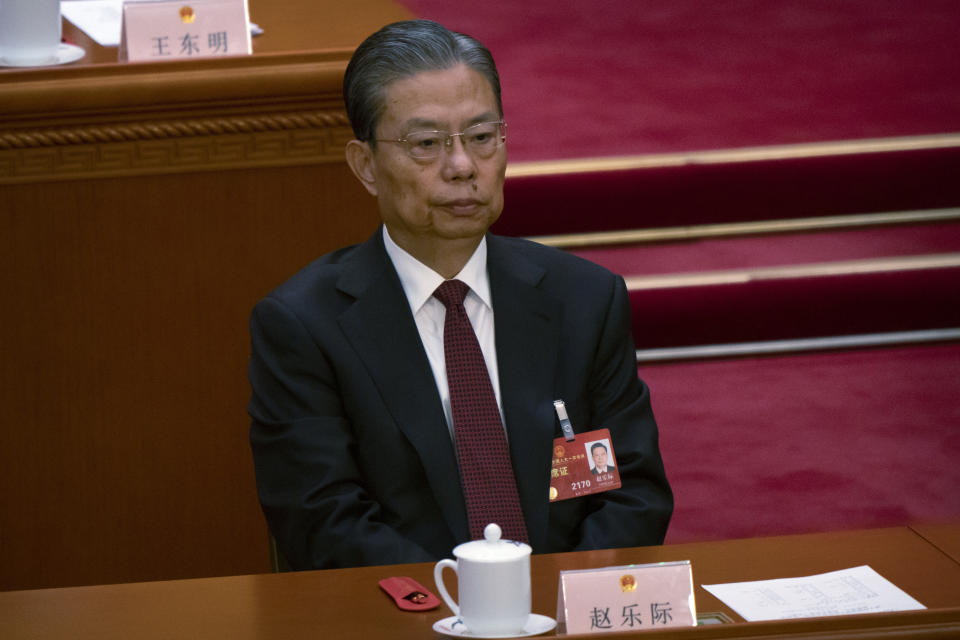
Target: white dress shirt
(419, 282)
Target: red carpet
(764, 446)
(695, 193)
(743, 306)
(757, 446)
(802, 307)
(776, 250)
(621, 77)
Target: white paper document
(838, 593)
(99, 19)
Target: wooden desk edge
(945, 536)
(293, 590)
(118, 87)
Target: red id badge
(583, 466)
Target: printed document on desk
(838, 593)
(99, 19)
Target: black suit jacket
(354, 461)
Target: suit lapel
(527, 322)
(381, 330)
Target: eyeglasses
(480, 140)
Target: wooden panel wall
(143, 211)
(123, 380)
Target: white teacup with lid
(29, 32)
(493, 582)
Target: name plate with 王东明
(153, 30)
(628, 598)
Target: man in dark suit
(352, 434)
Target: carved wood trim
(158, 130)
(174, 146)
(117, 120)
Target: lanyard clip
(564, 420)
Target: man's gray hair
(401, 50)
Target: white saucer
(65, 53)
(536, 625)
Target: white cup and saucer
(30, 35)
(493, 583)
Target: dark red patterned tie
(489, 485)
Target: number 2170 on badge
(583, 466)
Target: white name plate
(628, 598)
(165, 30)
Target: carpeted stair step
(801, 301)
(586, 196)
(790, 286)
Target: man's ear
(360, 159)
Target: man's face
(454, 196)
(600, 457)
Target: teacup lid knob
(492, 548)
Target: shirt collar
(420, 281)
